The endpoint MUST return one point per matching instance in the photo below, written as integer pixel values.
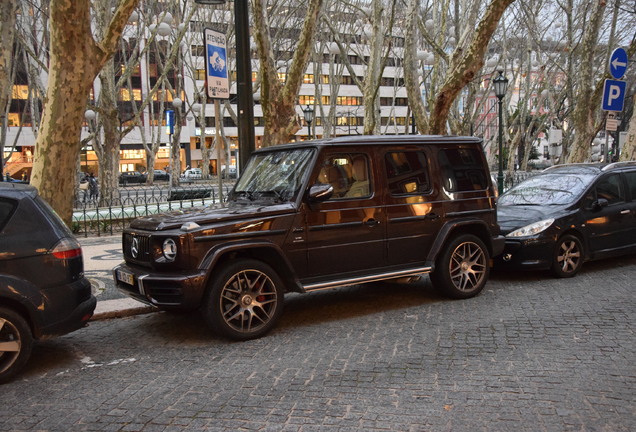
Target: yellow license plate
(125, 277)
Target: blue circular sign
(618, 63)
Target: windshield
(547, 189)
(276, 175)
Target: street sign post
(618, 63)
(216, 65)
(614, 95)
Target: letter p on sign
(614, 95)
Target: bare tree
(8, 9)
(70, 79)
(279, 99)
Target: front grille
(142, 247)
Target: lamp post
(308, 113)
(500, 83)
(245, 103)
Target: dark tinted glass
(631, 184)
(463, 170)
(611, 189)
(6, 209)
(407, 173)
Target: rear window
(463, 170)
(6, 210)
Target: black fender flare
(466, 226)
(266, 251)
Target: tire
(244, 301)
(16, 343)
(568, 256)
(462, 270)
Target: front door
(345, 234)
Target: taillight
(66, 248)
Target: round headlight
(169, 249)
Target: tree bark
(279, 100)
(8, 10)
(628, 152)
(464, 66)
(75, 60)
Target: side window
(611, 189)
(463, 170)
(407, 173)
(6, 209)
(631, 184)
(348, 174)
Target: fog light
(169, 249)
(507, 257)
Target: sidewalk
(101, 254)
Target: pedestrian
(25, 178)
(92, 188)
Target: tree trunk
(279, 100)
(464, 66)
(8, 10)
(75, 60)
(628, 152)
(585, 108)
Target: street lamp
(308, 113)
(500, 83)
(245, 103)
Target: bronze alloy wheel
(16, 343)
(568, 256)
(245, 300)
(463, 268)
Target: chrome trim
(140, 282)
(239, 235)
(470, 212)
(364, 279)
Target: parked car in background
(161, 175)
(192, 174)
(132, 177)
(43, 291)
(569, 214)
(228, 173)
(321, 214)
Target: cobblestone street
(531, 353)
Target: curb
(120, 308)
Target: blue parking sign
(217, 81)
(614, 95)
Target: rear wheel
(245, 300)
(462, 269)
(568, 256)
(16, 343)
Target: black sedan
(129, 177)
(569, 214)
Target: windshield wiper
(277, 194)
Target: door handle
(624, 212)
(371, 222)
(431, 216)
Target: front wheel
(568, 256)
(16, 342)
(462, 269)
(245, 300)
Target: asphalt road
(531, 353)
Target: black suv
(317, 215)
(43, 291)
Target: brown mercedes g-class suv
(321, 214)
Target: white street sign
(216, 65)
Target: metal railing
(106, 215)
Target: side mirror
(320, 192)
(599, 204)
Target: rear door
(414, 210)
